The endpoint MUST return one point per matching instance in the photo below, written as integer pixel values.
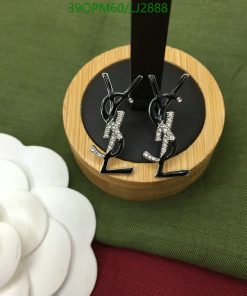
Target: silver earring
(113, 119)
(164, 121)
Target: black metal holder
(148, 42)
(191, 122)
(149, 32)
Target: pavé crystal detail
(113, 129)
(94, 150)
(149, 157)
(165, 130)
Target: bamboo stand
(142, 184)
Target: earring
(164, 121)
(113, 119)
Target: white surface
(10, 252)
(11, 176)
(42, 166)
(49, 264)
(18, 286)
(49, 229)
(75, 212)
(27, 215)
(10, 147)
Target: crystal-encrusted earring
(114, 118)
(164, 121)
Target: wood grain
(142, 184)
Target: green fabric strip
(43, 45)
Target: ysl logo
(113, 119)
(164, 120)
(112, 132)
(112, 128)
(165, 129)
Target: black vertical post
(149, 29)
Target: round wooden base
(142, 183)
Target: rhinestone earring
(164, 121)
(113, 119)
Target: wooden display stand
(142, 184)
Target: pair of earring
(157, 113)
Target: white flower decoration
(46, 229)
